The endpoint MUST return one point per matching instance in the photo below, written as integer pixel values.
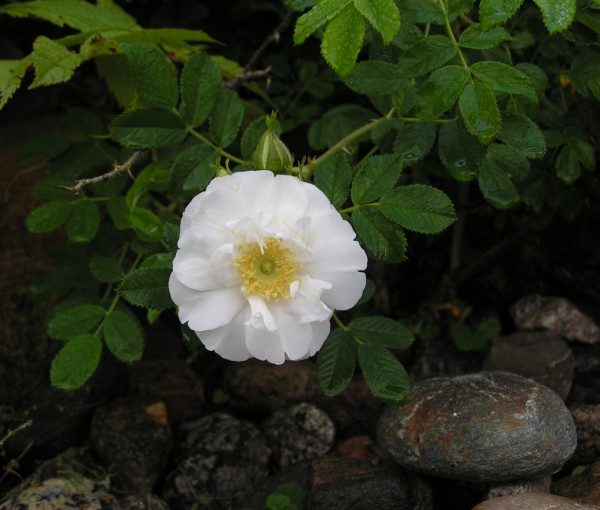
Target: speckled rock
(172, 382)
(586, 386)
(258, 385)
(583, 488)
(587, 422)
(134, 439)
(146, 502)
(360, 448)
(532, 501)
(542, 356)
(218, 456)
(555, 314)
(487, 427)
(333, 483)
(519, 487)
(73, 493)
(301, 432)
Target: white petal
(320, 333)
(211, 309)
(265, 345)
(296, 337)
(317, 200)
(307, 304)
(195, 272)
(228, 341)
(260, 315)
(179, 292)
(346, 289)
(337, 256)
(290, 199)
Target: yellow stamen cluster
(269, 272)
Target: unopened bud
(271, 153)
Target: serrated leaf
(375, 77)
(504, 78)
(460, 152)
(106, 269)
(253, 133)
(384, 374)
(557, 14)
(495, 12)
(146, 224)
(512, 163)
(147, 287)
(333, 177)
(536, 75)
(376, 176)
(426, 55)
(48, 217)
(523, 135)
(83, 222)
(115, 72)
(496, 186)
(200, 82)
(382, 332)
(225, 118)
(147, 129)
(74, 321)
(441, 91)
(418, 208)
(343, 40)
(335, 362)
(53, 63)
(477, 39)
(479, 111)
(118, 212)
(76, 362)
(384, 239)
(123, 336)
(321, 13)
(11, 75)
(191, 169)
(414, 141)
(78, 14)
(568, 168)
(383, 15)
(154, 76)
(171, 235)
(153, 176)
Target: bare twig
(117, 170)
(248, 73)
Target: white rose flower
(263, 261)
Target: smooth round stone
(486, 427)
(532, 501)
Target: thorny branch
(117, 170)
(248, 73)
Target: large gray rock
(542, 356)
(587, 422)
(532, 501)
(487, 427)
(583, 488)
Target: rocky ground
(498, 431)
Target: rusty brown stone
(555, 314)
(360, 448)
(532, 501)
(519, 487)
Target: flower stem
(444, 10)
(339, 323)
(222, 152)
(358, 206)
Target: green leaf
(382, 332)
(115, 72)
(441, 91)
(512, 163)
(147, 129)
(495, 12)
(225, 118)
(53, 63)
(74, 321)
(419, 208)
(146, 224)
(568, 168)
(171, 235)
(153, 176)
(383, 15)
(459, 152)
(414, 141)
(496, 186)
(557, 14)
(118, 212)
(106, 269)
(335, 362)
(375, 77)
(200, 82)
(154, 76)
(333, 177)
(504, 78)
(77, 14)
(480, 112)
(523, 135)
(11, 74)
(164, 36)
(147, 287)
(536, 75)
(84, 221)
(321, 13)
(48, 217)
(477, 39)
(384, 374)
(585, 153)
(343, 40)
(426, 55)
(384, 239)
(253, 134)
(468, 339)
(376, 176)
(123, 336)
(76, 362)
(191, 169)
